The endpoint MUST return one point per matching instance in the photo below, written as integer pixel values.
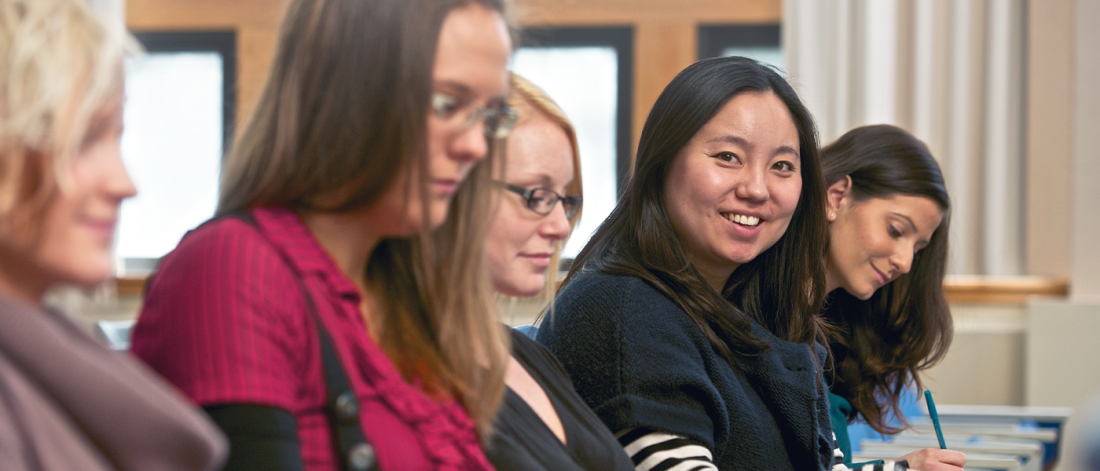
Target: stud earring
(832, 215)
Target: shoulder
(604, 286)
(225, 238)
(606, 299)
(228, 253)
(598, 309)
(537, 359)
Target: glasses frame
(499, 121)
(570, 204)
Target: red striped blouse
(225, 321)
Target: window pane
(172, 146)
(584, 82)
(767, 55)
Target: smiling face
(731, 191)
(470, 66)
(872, 242)
(520, 242)
(79, 223)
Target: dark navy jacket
(639, 361)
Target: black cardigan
(522, 441)
(639, 361)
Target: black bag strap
(342, 407)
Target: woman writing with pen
(888, 214)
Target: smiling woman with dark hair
(689, 322)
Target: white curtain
(949, 71)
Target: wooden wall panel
(550, 12)
(664, 32)
(664, 38)
(256, 51)
(662, 49)
(256, 22)
(200, 14)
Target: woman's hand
(934, 459)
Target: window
(587, 71)
(760, 42)
(178, 120)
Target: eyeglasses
(499, 121)
(542, 200)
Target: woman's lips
(541, 260)
(102, 227)
(882, 279)
(741, 230)
(445, 187)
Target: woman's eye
(784, 166)
(894, 232)
(727, 157)
(445, 106)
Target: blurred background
(1005, 92)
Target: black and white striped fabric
(658, 451)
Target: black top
(522, 441)
(640, 362)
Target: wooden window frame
(713, 39)
(223, 42)
(620, 38)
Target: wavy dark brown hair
(781, 288)
(880, 345)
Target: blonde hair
(344, 111)
(531, 101)
(59, 66)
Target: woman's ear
(835, 195)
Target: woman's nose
(470, 144)
(752, 185)
(903, 260)
(556, 226)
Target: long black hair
(781, 288)
(880, 345)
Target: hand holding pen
(931, 459)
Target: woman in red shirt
(355, 202)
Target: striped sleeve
(872, 466)
(657, 451)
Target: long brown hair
(782, 287)
(345, 108)
(880, 345)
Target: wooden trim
(1014, 290)
(960, 289)
(130, 286)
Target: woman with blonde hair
(66, 401)
(543, 423)
(337, 314)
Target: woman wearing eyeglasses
(543, 424)
(352, 225)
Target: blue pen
(935, 418)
